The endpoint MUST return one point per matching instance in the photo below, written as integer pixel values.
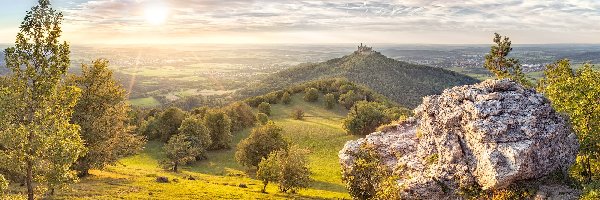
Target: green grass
(219, 177)
(144, 102)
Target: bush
(350, 98)
(286, 98)
(265, 108)
(298, 114)
(262, 118)
(179, 151)
(198, 135)
(330, 101)
(365, 117)
(219, 127)
(311, 95)
(3, 185)
(288, 167)
(367, 178)
(261, 142)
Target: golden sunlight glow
(156, 14)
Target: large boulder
(487, 135)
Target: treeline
(402, 82)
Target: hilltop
(402, 82)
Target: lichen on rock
(490, 134)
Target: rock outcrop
(487, 135)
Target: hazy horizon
(316, 22)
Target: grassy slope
(220, 175)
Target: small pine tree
(265, 108)
(497, 62)
(311, 95)
(286, 98)
(179, 151)
(330, 101)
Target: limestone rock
(489, 134)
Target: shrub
(363, 178)
(179, 151)
(262, 141)
(298, 114)
(350, 98)
(262, 118)
(3, 185)
(198, 135)
(330, 101)
(364, 118)
(311, 95)
(286, 98)
(290, 167)
(265, 108)
(219, 127)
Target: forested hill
(400, 81)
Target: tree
(262, 118)
(367, 178)
(179, 151)
(265, 108)
(286, 98)
(195, 132)
(262, 141)
(365, 117)
(36, 135)
(330, 101)
(497, 62)
(102, 113)
(241, 116)
(298, 114)
(311, 95)
(293, 169)
(169, 122)
(349, 98)
(268, 171)
(219, 127)
(578, 95)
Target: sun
(156, 15)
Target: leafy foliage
(262, 118)
(364, 179)
(262, 141)
(268, 171)
(349, 98)
(311, 95)
(365, 117)
(196, 133)
(37, 139)
(219, 127)
(330, 101)
(102, 113)
(289, 166)
(265, 108)
(578, 95)
(4, 185)
(497, 62)
(286, 98)
(241, 116)
(298, 114)
(179, 151)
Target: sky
(316, 22)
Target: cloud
(192, 18)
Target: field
(219, 177)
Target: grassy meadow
(220, 176)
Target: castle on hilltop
(364, 50)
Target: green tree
(268, 171)
(241, 116)
(311, 95)
(265, 108)
(578, 95)
(219, 127)
(262, 141)
(102, 114)
(198, 135)
(179, 151)
(293, 169)
(36, 135)
(330, 101)
(168, 122)
(286, 98)
(262, 118)
(497, 62)
(349, 98)
(367, 178)
(365, 117)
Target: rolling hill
(400, 81)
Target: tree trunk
(175, 167)
(588, 168)
(264, 190)
(29, 180)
